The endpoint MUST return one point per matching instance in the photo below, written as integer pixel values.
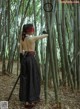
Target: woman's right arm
(39, 37)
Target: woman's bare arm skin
(39, 37)
(29, 44)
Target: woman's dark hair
(24, 31)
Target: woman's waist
(28, 52)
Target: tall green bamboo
(8, 10)
(75, 43)
(55, 56)
(50, 27)
(34, 11)
(65, 48)
(58, 21)
(78, 46)
(4, 38)
(0, 28)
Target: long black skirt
(29, 79)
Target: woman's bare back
(29, 43)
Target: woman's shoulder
(29, 38)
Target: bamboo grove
(59, 55)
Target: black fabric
(29, 79)
(44, 32)
(21, 56)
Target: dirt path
(68, 99)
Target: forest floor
(67, 98)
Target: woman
(30, 74)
